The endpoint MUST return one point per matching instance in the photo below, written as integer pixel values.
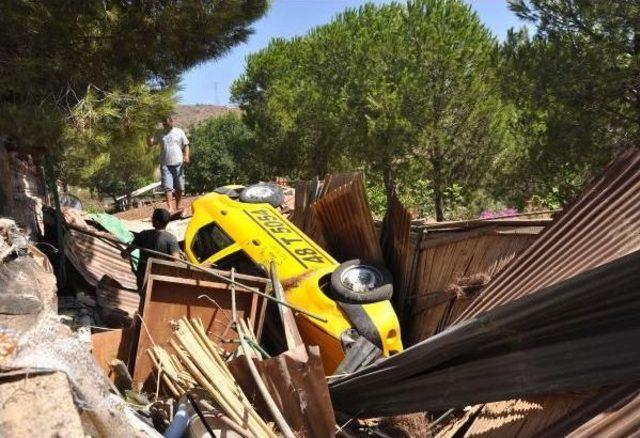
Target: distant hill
(188, 116)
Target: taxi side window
(209, 240)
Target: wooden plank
(171, 297)
(112, 344)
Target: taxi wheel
(359, 283)
(263, 193)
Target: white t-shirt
(173, 144)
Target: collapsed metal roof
(601, 225)
(599, 228)
(569, 336)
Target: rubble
(516, 327)
(38, 342)
(44, 394)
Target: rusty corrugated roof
(570, 336)
(94, 258)
(347, 224)
(601, 225)
(592, 236)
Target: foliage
(222, 154)
(575, 85)
(380, 88)
(106, 139)
(86, 80)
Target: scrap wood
(292, 334)
(439, 262)
(266, 396)
(173, 291)
(297, 383)
(110, 345)
(570, 336)
(201, 358)
(211, 410)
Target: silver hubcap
(361, 278)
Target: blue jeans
(172, 178)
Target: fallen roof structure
(569, 336)
(598, 228)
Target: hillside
(187, 116)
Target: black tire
(342, 292)
(268, 193)
(232, 193)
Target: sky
(209, 83)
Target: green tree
(222, 154)
(83, 74)
(427, 93)
(575, 84)
(379, 88)
(290, 95)
(106, 149)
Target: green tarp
(115, 226)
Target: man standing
(157, 239)
(175, 154)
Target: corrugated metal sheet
(308, 192)
(347, 224)
(599, 226)
(602, 225)
(94, 258)
(398, 251)
(111, 295)
(570, 336)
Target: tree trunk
(321, 160)
(389, 186)
(436, 162)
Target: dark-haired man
(175, 154)
(158, 239)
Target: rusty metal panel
(306, 194)
(570, 336)
(601, 225)
(94, 258)
(297, 383)
(110, 295)
(347, 224)
(398, 251)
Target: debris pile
(511, 326)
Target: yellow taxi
(241, 227)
